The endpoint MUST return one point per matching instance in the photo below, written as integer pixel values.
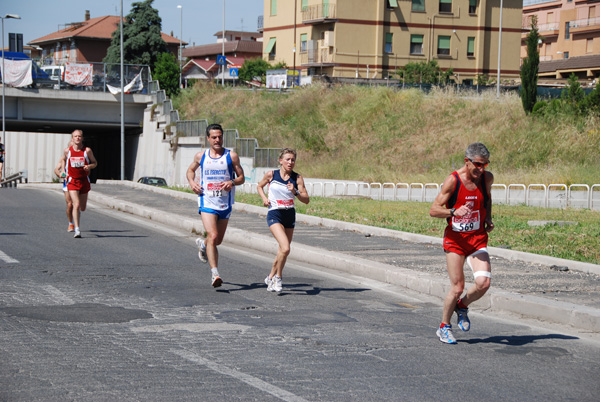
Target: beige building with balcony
(570, 37)
(372, 38)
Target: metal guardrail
(14, 179)
(191, 128)
(540, 195)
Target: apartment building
(372, 38)
(86, 41)
(570, 37)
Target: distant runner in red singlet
(465, 202)
(61, 171)
(79, 161)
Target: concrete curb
(581, 317)
(495, 300)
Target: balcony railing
(534, 2)
(318, 56)
(319, 12)
(551, 26)
(588, 22)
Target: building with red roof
(239, 47)
(86, 41)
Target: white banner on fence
(135, 85)
(79, 74)
(18, 72)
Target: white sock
(76, 227)
(214, 271)
(203, 245)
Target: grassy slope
(386, 135)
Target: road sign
(233, 72)
(221, 60)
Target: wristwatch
(452, 211)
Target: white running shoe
(269, 283)
(277, 284)
(463, 318)
(201, 250)
(445, 334)
(216, 281)
(77, 234)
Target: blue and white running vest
(213, 173)
(279, 195)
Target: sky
(201, 18)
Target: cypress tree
(529, 69)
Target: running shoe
(216, 281)
(277, 285)
(269, 283)
(445, 334)
(201, 250)
(77, 234)
(463, 318)
(71, 228)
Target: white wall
(38, 153)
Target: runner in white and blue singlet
(213, 175)
(284, 186)
(214, 199)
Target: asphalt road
(128, 313)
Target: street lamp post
(223, 49)
(16, 17)
(180, 44)
(122, 70)
(499, 51)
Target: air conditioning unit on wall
(328, 40)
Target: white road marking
(7, 259)
(59, 297)
(248, 379)
(192, 327)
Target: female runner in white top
(284, 186)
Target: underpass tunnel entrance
(106, 145)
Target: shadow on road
(517, 340)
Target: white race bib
(467, 223)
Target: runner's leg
(284, 240)
(482, 272)
(455, 264)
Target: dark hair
(213, 127)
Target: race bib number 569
(467, 223)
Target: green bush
(539, 108)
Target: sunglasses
(478, 164)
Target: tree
(166, 71)
(142, 41)
(254, 68)
(591, 103)
(529, 69)
(423, 72)
(573, 95)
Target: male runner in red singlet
(80, 161)
(465, 201)
(61, 171)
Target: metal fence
(191, 128)
(103, 74)
(536, 195)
